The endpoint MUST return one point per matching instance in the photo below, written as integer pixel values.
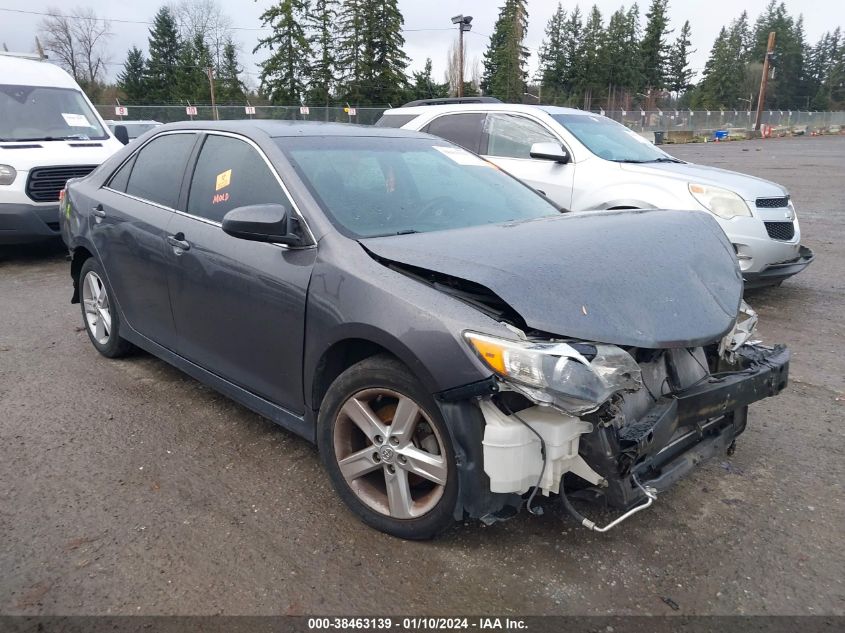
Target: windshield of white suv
(609, 140)
(40, 113)
(374, 186)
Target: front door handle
(178, 241)
(98, 211)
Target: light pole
(464, 23)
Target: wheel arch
(80, 255)
(351, 349)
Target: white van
(49, 132)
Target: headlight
(7, 174)
(557, 373)
(726, 204)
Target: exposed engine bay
(662, 412)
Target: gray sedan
(451, 341)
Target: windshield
(39, 113)
(373, 186)
(609, 140)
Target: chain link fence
(677, 125)
(735, 122)
(171, 113)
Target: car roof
(483, 107)
(291, 128)
(19, 71)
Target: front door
(129, 227)
(239, 305)
(508, 139)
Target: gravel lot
(128, 488)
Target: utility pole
(464, 23)
(770, 51)
(210, 72)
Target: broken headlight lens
(722, 202)
(557, 374)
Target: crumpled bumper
(683, 429)
(776, 273)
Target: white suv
(585, 161)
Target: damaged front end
(596, 420)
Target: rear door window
(395, 120)
(462, 129)
(120, 178)
(230, 173)
(159, 167)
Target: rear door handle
(98, 211)
(178, 241)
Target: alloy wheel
(95, 300)
(390, 454)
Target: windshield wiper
(662, 159)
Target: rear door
(239, 305)
(507, 141)
(129, 227)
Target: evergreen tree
(284, 74)
(591, 80)
(743, 30)
(720, 85)
(164, 46)
(680, 75)
(192, 72)
(131, 80)
(321, 22)
(424, 87)
(654, 49)
(350, 44)
(619, 57)
(383, 59)
(786, 89)
(573, 29)
(230, 88)
(504, 62)
(554, 64)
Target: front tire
(387, 450)
(99, 312)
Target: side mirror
(549, 151)
(121, 134)
(263, 223)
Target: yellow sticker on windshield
(223, 180)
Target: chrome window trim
(240, 137)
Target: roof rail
(33, 56)
(450, 101)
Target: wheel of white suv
(387, 449)
(99, 315)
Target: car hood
(24, 156)
(651, 278)
(749, 187)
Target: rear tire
(387, 450)
(99, 312)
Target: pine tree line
(176, 69)
(585, 63)
(331, 52)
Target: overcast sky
(17, 30)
